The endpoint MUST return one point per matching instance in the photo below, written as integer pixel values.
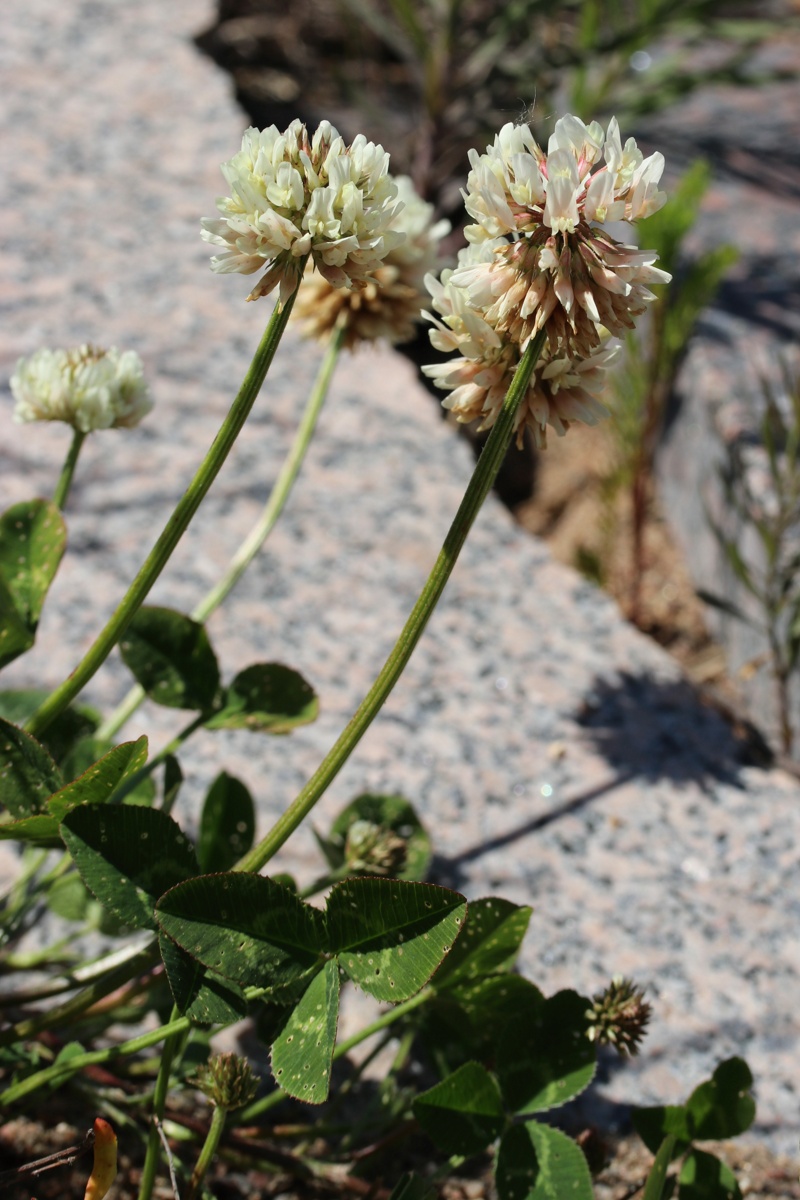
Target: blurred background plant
(758, 533)
(642, 385)
(432, 79)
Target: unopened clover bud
(619, 1016)
(376, 848)
(227, 1081)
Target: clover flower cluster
(562, 388)
(86, 387)
(388, 306)
(292, 196)
(539, 260)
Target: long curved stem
(283, 484)
(477, 490)
(58, 1072)
(187, 506)
(262, 528)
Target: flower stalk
(176, 526)
(205, 1158)
(68, 470)
(478, 489)
(263, 527)
(283, 484)
(152, 1152)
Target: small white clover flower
(551, 267)
(291, 197)
(87, 387)
(562, 389)
(390, 304)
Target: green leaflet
(705, 1177)
(171, 657)
(391, 935)
(302, 1053)
(28, 775)
(128, 856)
(245, 927)
(489, 941)
(197, 992)
(227, 824)
(537, 1162)
(266, 698)
(464, 1113)
(95, 786)
(546, 1058)
(32, 540)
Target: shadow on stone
(656, 729)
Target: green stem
(187, 506)
(120, 973)
(124, 710)
(258, 1107)
(68, 470)
(477, 490)
(263, 527)
(153, 1152)
(144, 772)
(216, 1127)
(58, 1072)
(282, 486)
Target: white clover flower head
(86, 387)
(389, 305)
(562, 389)
(553, 266)
(291, 197)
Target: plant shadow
(646, 729)
(656, 729)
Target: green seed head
(227, 1081)
(374, 848)
(619, 1016)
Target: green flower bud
(619, 1016)
(227, 1081)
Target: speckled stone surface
(556, 755)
